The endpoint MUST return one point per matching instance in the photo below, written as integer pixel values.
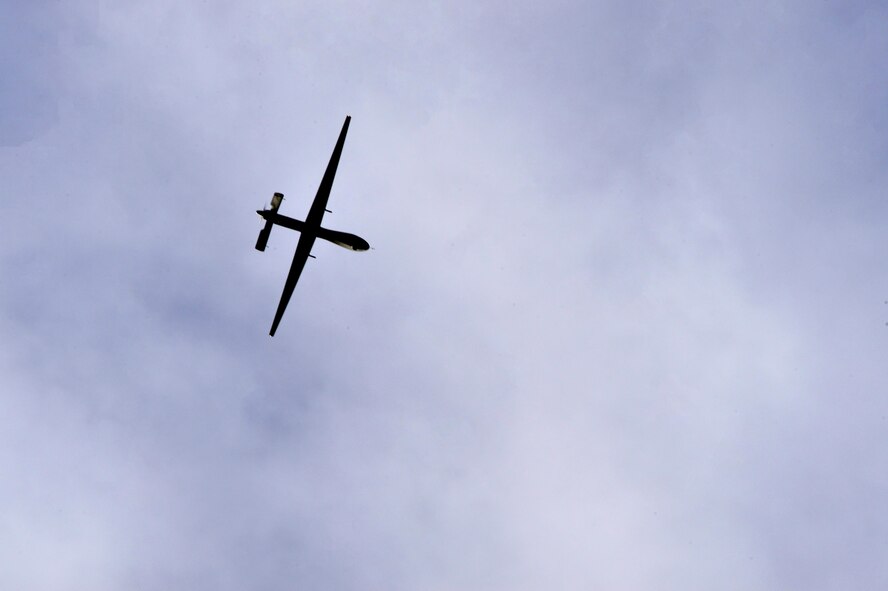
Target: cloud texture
(623, 326)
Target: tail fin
(265, 232)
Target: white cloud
(585, 351)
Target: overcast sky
(623, 326)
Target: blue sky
(623, 326)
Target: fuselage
(343, 239)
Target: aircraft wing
(303, 249)
(316, 213)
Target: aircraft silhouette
(310, 229)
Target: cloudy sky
(623, 326)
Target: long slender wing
(303, 249)
(316, 213)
